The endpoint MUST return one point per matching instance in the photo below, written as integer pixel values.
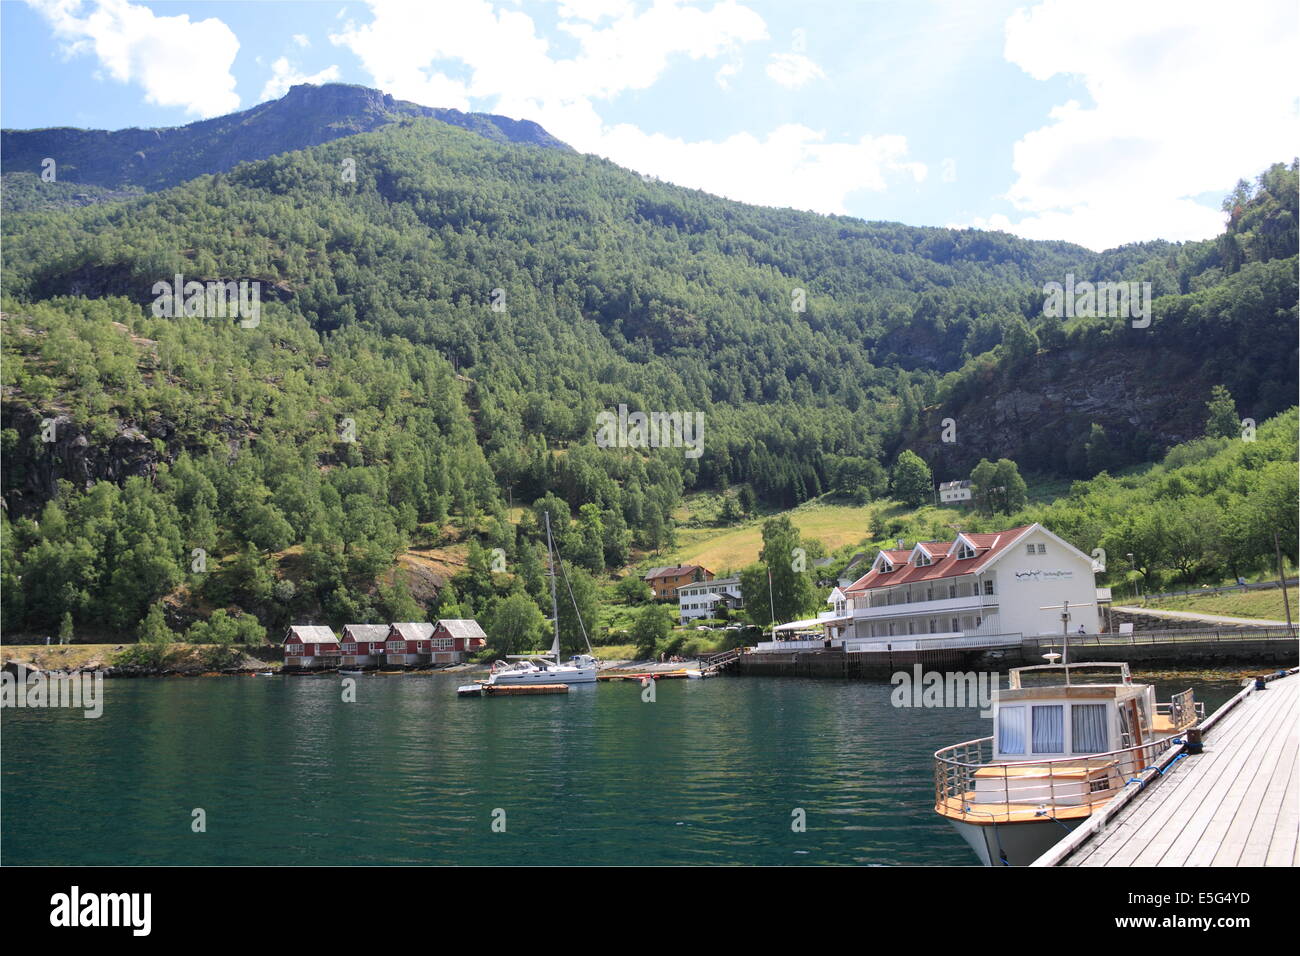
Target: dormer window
(923, 559)
(965, 551)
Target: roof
(951, 485)
(365, 632)
(674, 571)
(413, 631)
(946, 565)
(461, 627)
(710, 585)
(310, 634)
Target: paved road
(1197, 616)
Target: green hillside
(437, 337)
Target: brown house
(664, 582)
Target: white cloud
(792, 166)
(302, 40)
(456, 51)
(283, 76)
(1179, 108)
(177, 62)
(793, 70)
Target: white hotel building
(978, 589)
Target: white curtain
(1049, 729)
(1088, 728)
(1011, 730)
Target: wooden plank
(1283, 849)
(1237, 813)
(1152, 817)
(1203, 800)
(1236, 802)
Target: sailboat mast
(555, 607)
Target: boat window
(1088, 729)
(1011, 730)
(1049, 729)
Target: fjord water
(287, 773)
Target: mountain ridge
(307, 115)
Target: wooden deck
(1235, 804)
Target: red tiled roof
(987, 546)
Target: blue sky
(1099, 122)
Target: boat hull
(576, 675)
(1013, 844)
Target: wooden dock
(1235, 804)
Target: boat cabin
(1063, 720)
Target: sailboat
(547, 668)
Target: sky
(1098, 122)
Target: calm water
(288, 774)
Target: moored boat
(544, 669)
(1058, 753)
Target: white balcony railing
(971, 602)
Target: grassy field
(1261, 604)
(732, 548)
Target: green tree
(514, 624)
(651, 628)
(912, 482)
(1221, 414)
(153, 628)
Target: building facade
(310, 646)
(453, 639)
(1005, 583)
(664, 582)
(363, 644)
(955, 492)
(409, 644)
(695, 601)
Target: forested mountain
(439, 332)
(306, 116)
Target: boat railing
(1118, 668)
(968, 782)
(1183, 709)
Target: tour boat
(547, 668)
(1058, 753)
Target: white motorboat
(1059, 753)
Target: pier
(1237, 803)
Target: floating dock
(1237, 803)
(509, 690)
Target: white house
(700, 600)
(953, 492)
(978, 586)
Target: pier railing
(969, 785)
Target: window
(952, 590)
(1088, 729)
(1029, 549)
(922, 559)
(1042, 549)
(349, 648)
(965, 551)
(293, 648)
(1011, 730)
(988, 587)
(1049, 729)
